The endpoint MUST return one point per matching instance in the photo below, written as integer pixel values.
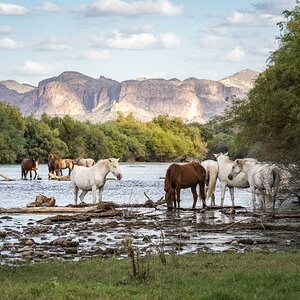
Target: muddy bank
(102, 230)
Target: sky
(128, 39)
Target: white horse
(240, 181)
(211, 167)
(264, 180)
(93, 178)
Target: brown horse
(29, 165)
(56, 165)
(86, 162)
(181, 177)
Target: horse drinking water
(181, 177)
(93, 178)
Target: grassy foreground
(198, 276)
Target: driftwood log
(5, 177)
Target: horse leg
(35, 174)
(81, 197)
(75, 189)
(70, 171)
(195, 196)
(231, 191)
(202, 193)
(94, 189)
(223, 187)
(100, 193)
(178, 198)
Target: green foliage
(269, 122)
(126, 138)
(12, 127)
(42, 140)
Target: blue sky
(127, 39)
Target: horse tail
(212, 181)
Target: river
(23, 237)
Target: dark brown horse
(181, 177)
(55, 165)
(29, 165)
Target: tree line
(162, 139)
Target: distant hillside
(99, 100)
(243, 80)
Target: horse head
(236, 169)
(169, 197)
(114, 167)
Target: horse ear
(118, 159)
(109, 159)
(226, 153)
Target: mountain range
(99, 100)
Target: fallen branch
(5, 177)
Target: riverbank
(252, 275)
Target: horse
(93, 178)
(212, 169)
(86, 162)
(29, 165)
(264, 180)
(55, 165)
(181, 177)
(240, 181)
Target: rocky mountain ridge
(99, 100)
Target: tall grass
(197, 276)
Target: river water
(23, 237)
(137, 179)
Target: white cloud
(36, 68)
(7, 43)
(214, 36)
(133, 8)
(274, 6)
(52, 44)
(250, 19)
(137, 41)
(13, 9)
(235, 55)
(96, 55)
(7, 29)
(49, 7)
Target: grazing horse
(240, 181)
(85, 162)
(264, 180)
(29, 165)
(181, 177)
(93, 178)
(212, 169)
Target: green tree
(41, 139)
(12, 127)
(269, 122)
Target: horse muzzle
(119, 176)
(230, 176)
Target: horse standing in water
(29, 165)
(56, 165)
(241, 181)
(212, 169)
(93, 178)
(264, 180)
(181, 177)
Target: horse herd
(262, 178)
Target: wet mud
(155, 229)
